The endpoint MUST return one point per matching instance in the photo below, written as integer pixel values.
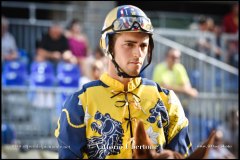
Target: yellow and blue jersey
(99, 120)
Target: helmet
(125, 18)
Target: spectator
(230, 130)
(230, 20)
(172, 75)
(204, 44)
(78, 42)
(230, 25)
(232, 53)
(9, 47)
(88, 62)
(96, 69)
(210, 24)
(54, 46)
(219, 150)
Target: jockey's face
(130, 50)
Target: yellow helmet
(125, 18)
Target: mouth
(136, 63)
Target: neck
(170, 67)
(113, 73)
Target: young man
(99, 121)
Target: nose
(137, 52)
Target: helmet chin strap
(120, 71)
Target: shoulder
(63, 37)
(148, 82)
(161, 65)
(179, 65)
(92, 84)
(73, 99)
(8, 37)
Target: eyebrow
(129, 41)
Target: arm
(183, 83)
(185, 89)
(70, 131)
(178, 138)
(49, 55)
(13, 50)
(13, 55)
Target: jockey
(99, 121)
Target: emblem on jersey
(110, 141)
(159, 114)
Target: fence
(35, 124)
(33, 113)
(206, 73)
(207, 112)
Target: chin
(134, 73)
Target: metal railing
(208, 112)
(33, 113)
(34, 123)
(207, 74)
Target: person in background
(97, 55)
(171, 74)
(219, 150)
(54, 46)
(96, 69)
(230, 130)
(77, 41)
(9, 47)
(230, 20)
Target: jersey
(99, 120)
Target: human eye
(129, 44)
(144, 45)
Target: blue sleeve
(71, 129)
(181, 143)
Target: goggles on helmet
(130, 24)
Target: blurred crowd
(228, 25)
(71, 45)
(57, 46)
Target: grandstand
(32, 110)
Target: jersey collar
(118, 86)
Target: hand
(69, 57)
(193, 92)
(56, 55)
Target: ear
(202, 152)
(141, 138)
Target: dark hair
(202, 19)
(99, 50)
(112, 41)
(74, 21)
